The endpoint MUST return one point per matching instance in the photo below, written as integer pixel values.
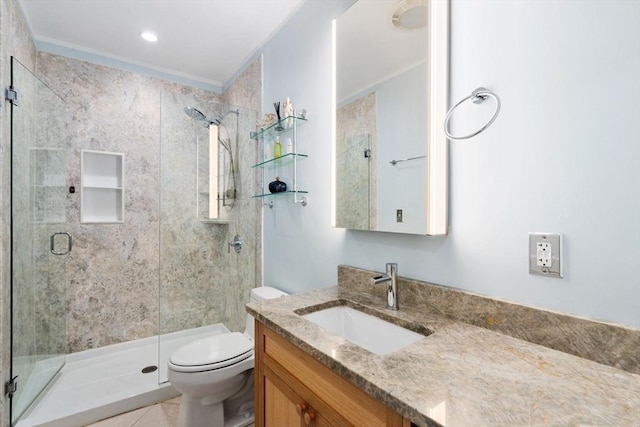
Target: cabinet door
(285, 408)
(280, 409)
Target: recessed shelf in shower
(102, 187)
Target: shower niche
(102, 187)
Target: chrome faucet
(391, 279)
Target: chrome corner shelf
(281, 193)
(302, 200)
(288, 161)
(283, 125)
(284, 158)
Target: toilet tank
(260, 294)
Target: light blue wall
(401, 129)
(301, 250)
(562, 157)
(402, 132)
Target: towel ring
(478, 96)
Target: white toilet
(215, 375)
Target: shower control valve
(236, 244)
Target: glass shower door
(40, 243)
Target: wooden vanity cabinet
(284, 407)
(295, 390)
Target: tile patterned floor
(163, 414)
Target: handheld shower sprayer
(198, 115)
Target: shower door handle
(52, 242)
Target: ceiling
(203, 41)
(370, 49)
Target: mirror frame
(437, 103)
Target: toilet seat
(215, 352)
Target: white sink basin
(364, 330)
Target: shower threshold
(100, 383)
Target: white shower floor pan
(103, 382)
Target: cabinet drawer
(357, 407)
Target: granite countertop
(461, 375)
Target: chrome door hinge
(11, 95)
(11, 386)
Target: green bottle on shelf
(277, 149)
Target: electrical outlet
(398, 215)
(543, 254)
(545, 251)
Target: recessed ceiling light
(149, 36)
(410, 14)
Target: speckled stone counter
(461, 375)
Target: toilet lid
(213, 352)
(266, 292)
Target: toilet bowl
(215, 375)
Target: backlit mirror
(390, 149)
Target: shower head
(195, 114)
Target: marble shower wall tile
(246, 92)
(112, 272)
(116, 272)
(201, 281)
(613, 345)
(245, 219)
(48, 210)
(188, 266)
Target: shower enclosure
(40, 243)
(88, 322)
